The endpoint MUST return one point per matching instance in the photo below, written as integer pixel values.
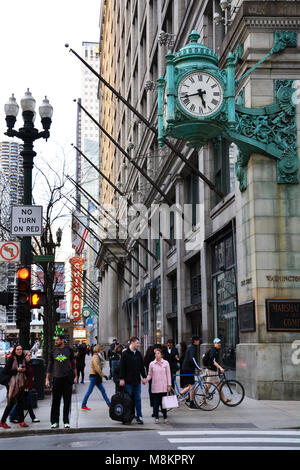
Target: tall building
(88, 143)
(12, 164)
(248, 251)
(12, 187)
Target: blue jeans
(91, 388)
(135, 393)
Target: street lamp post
(28, 133)
(49, 246)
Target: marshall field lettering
(283, 315)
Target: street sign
(26, 221)
(43, 258)
(10, 251)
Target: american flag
(79, 231)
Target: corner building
(242, 282)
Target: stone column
(102, 334)
(183, 331)
(112, 303)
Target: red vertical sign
(77, 264)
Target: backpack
(121, 407)
(206, 361)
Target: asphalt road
(169, 440)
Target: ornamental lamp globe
(46, 110)
(11, 108)
(28, 102)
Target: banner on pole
(79, 231)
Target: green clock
(200, 94)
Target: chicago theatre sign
(77, 264)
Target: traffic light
(23, 285)
(37, 299)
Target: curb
(32, 432)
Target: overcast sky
(33, 34)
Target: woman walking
(16, 368)
(160, 374)
(96, 375)
(27, 393)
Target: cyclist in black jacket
(131, 370)
(188, 367)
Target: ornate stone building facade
(240, 279)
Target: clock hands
(200, 93)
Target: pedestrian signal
(37, 299)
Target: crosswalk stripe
(236, 448)
(221, 432)
(223, 440)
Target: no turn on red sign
(10, 252)
(26, 221)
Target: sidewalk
(250, 414)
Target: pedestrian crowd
(128, 369)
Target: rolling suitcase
(121, 407)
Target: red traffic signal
(23, 274)
(37, 299)
(23, 285)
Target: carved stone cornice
(264, 16)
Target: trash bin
(34, 398)
(38, 365)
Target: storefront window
(225, 299)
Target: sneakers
(23, 425)
(36, 420)
(192, 406)
(4, 425)
(54, 425)
(139, 421)
(66, 425)
(85, 408)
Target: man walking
(172, 356)
(131, 370)
(62, 367)
(188, 367)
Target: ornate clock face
(200, 94)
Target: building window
(193, 196)
(225, 298)
(224, 166)
(195, 282)
(174, 293)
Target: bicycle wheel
(232, 392)
(207, 396)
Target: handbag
(169, 401)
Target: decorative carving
(283, 39)
(272, 133)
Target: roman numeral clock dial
(200, 94)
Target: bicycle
(232, 392)
(206, 397)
